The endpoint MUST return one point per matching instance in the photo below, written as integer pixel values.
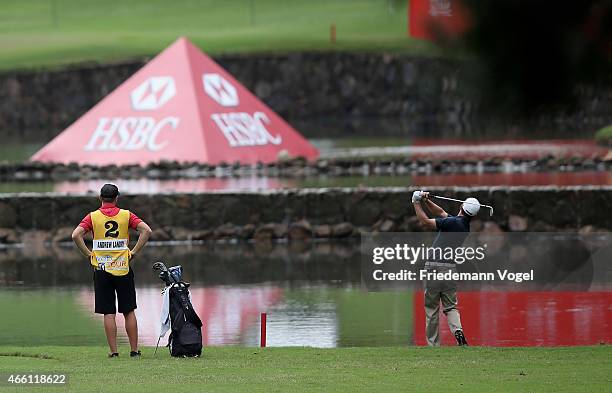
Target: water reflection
(227, 311)
(155, 186)
(257, 183)
(312, 293)
(528, 318)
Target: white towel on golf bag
(165, 312)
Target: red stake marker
(263, 329)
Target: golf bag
(186, 327)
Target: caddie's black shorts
(105, 286)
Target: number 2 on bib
(112, 229)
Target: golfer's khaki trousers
(437, 292)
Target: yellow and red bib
(110, 242)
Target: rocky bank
(307, 213)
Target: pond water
(254, 183)
(313, 294)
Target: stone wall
(344, 90)
(324, 213)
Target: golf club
(159, 266)
(459, 200)
(164, 274)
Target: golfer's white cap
(471, 206)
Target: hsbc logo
(245, 129)
(153, 93)
(220, 90)
(138, 132)
(131, 133)
(239, 128)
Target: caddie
(110, 259)
(452, 231)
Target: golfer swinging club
(110, 259)
(443, 291)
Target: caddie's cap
(109, 191)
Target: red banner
(428, 18)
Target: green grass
(54, 32)
(345, 143)
(239, 369)
(354, 181)
(29, 186)
(604, 136)
(18, 152)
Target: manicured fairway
(51, 32)
(240, 369)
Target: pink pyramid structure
(180, 106)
